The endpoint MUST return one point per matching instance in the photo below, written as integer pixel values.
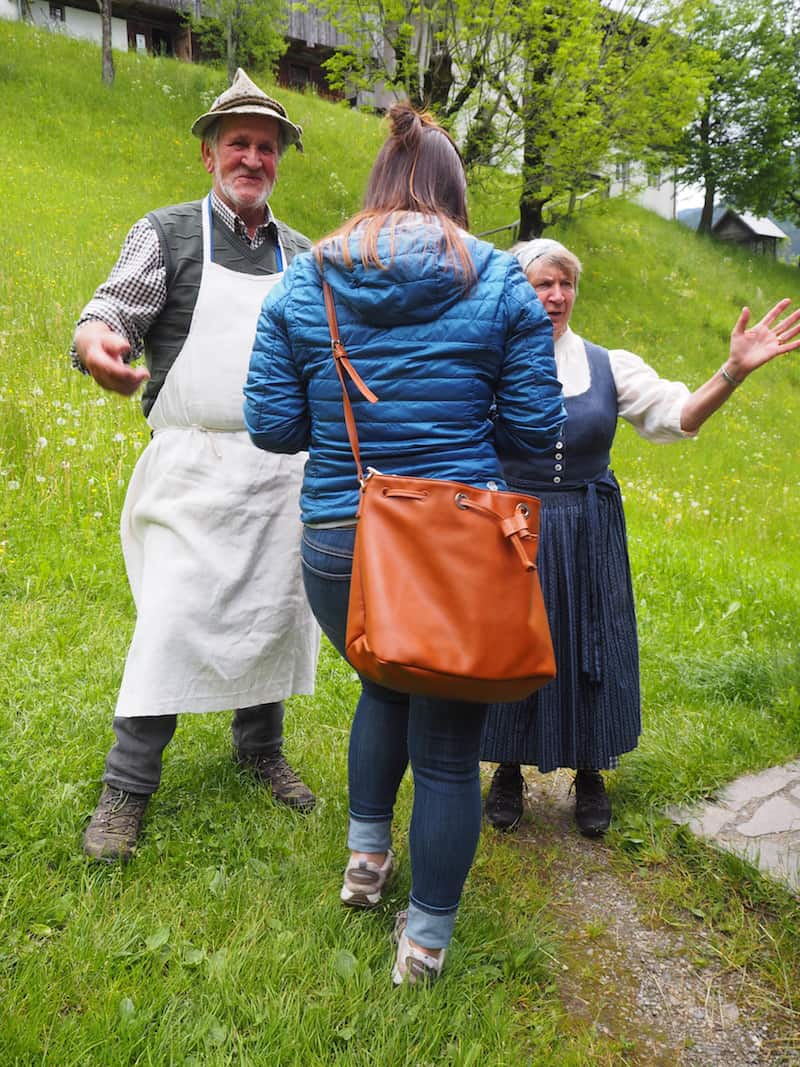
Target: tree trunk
(108, 58)
(532, 199)
(707, 214)
(438, 81)
(531, 217)
(537, 52)
(231, 45)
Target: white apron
(211, 529)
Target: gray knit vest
(180, 232)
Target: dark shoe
(114, 828)
(503, 806)
(272, 770)
(592, 806)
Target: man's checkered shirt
(133, 296)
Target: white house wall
(659, 198)
(9, 9)
(85, 25)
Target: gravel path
(658, 988)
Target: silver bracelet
(729, 378)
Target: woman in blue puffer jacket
(441, 327)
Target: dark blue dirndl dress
(590, 713)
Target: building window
(57, 13)
(299, 77)
(623, 170)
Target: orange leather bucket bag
(445, 597)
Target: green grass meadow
(224, 941)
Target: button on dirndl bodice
(579, 462)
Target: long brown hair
(418, 169)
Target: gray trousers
(134, 762)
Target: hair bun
(405, 124)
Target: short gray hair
(527, 252)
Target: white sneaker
(413, 965)
(364, 882)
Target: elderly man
(210, 528)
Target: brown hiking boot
(114, 828)
(273, 771)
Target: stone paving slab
(756, 817)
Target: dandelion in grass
(12, 484)
(61, 422)
(118, 437)
(41, 442)
(40, 478)
(70, 442)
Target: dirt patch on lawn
(656, 988)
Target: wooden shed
(760, 236)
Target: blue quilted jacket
(457, 374)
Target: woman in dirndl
(591, 713)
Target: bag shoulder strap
(343, 364)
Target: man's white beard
(229, 191)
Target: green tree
(402, 45)
(552, 89)
(585, 85)
(245, 33)
(742, 146)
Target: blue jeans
(440, 738)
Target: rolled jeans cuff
(433, 929)
(369, 835)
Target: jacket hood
(417, 282)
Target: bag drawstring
(514, 529)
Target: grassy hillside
(224, 941)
